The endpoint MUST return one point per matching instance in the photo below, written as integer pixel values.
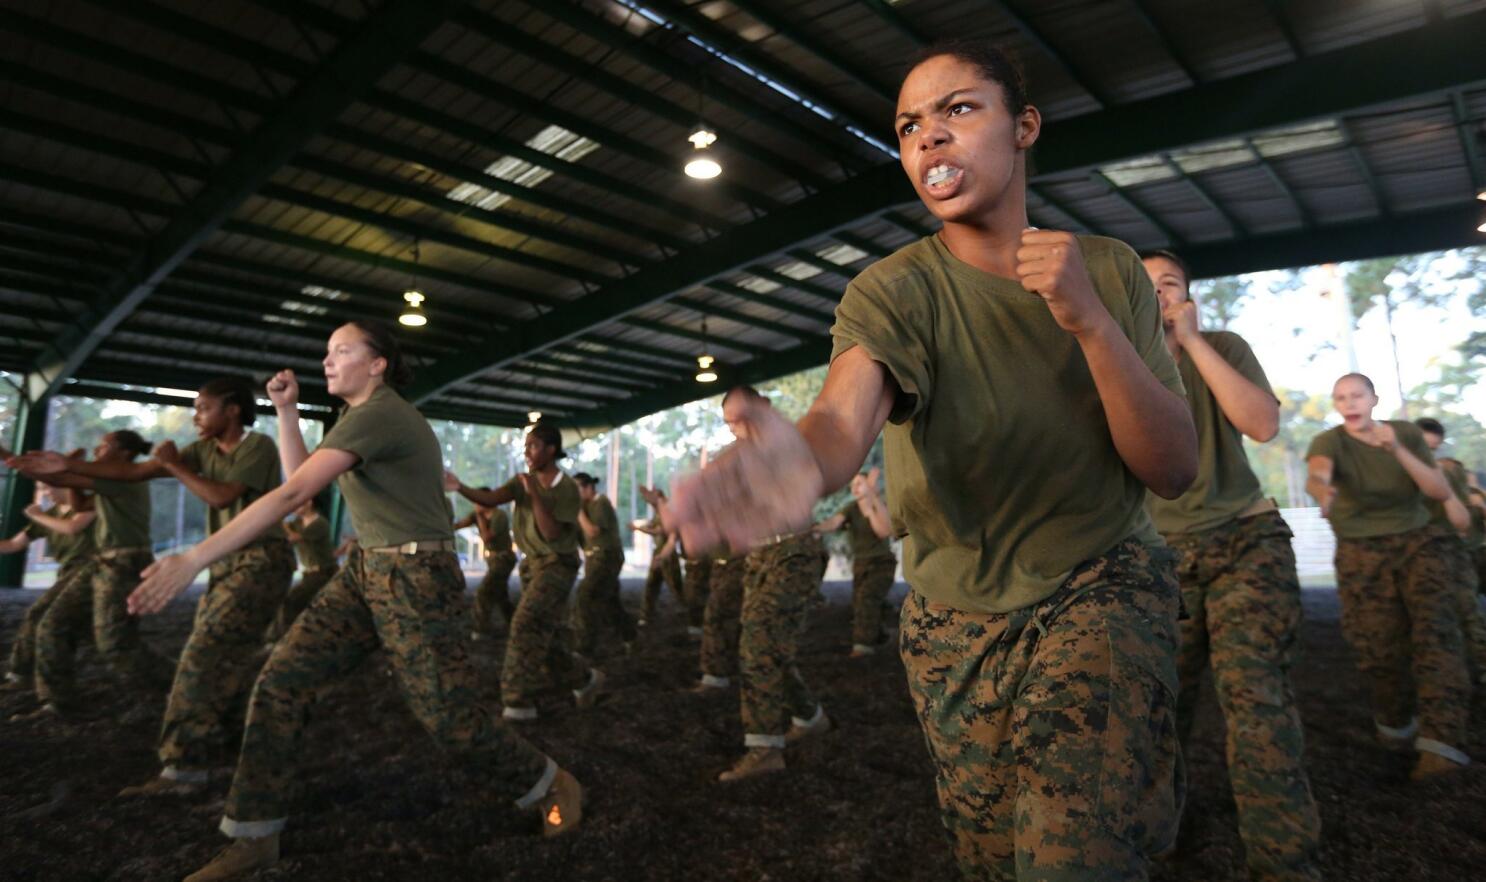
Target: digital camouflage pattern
(780, 581)
(1398, 614)
(722, 618)
(1053, 727)
(598, 608)
(666, 571)
(23, 651)
(98, 602)
(494, 591)
(208, 700)
(413, 608)
(695, 580)
(298, 598)
(539, 647)
(1467, 605)
(1242, 597)
(871, 581)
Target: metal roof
(187, 189)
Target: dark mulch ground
(858, 804)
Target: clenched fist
(1050, 264)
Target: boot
(242, 856)
(757, 761)
(588, 696)
(818, 726)
(562, 807)
(1431, 765)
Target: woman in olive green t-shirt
(1372, 479)
(402, 591)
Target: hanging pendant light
(413, 315)
(705, 371)
(703, 164)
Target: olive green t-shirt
(1000, 464)
(497, 535)
(1225, 483)
(562, 500)
(254, 463)
(1455, 474)
(123, 509)
(865, 543)
(1374, 495)
(315, 550)
(601, 514)
(396, 492)
(64, 549)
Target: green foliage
(1219, 301)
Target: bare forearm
(267, 510)
(1458, 516)
(877, 516)
(1318, 488)
(1251, 409)
(292, 452)
(1151, 425)
(54, 523)
(1430, 479)
(216, 494)
(847, 417)
(483, 496)
(142, 470)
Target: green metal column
(29, 434)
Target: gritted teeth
(940, 174)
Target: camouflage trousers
(23, 650)
(208, 701)
(1399, 616)
(539, 646)
(494, 591)
(1468, 605)
(599, 608)
(1242, 597)
(669, 572)
(1478, 557)
(1053, 727)
(721, 621)
(99, 603)
(871, 580)
(778, 586)
(412, 606)
(298, 598)
(694, 588)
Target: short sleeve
(362, 431)
(1323, 444)
(258, 467)
(515, 488)
(886, 323)
(1410, 436)
(191, 455)
(1148, 334)
(1237, 352)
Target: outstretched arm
(830, 524)
(18, 542)
(217, 494)
(169, 576)
(66, 526)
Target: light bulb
(533, 416)
(412, 314)
(702, 165)
(705, 373)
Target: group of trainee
(1064, 463)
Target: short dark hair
(586, 479)
(1171, 256)
(234, 390)
(1431, 425)
(1366, 381)
(383, 341)
(995, 63)
(131, 442)
(550, 435)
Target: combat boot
(757, 761)
(162, 786)
(816, 725)
(588, 696)
(242, 856)
(1432, 765)
(562, 807)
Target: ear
(378, 366)
(1028, 127)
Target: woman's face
(961, 147)
(108, 449)
(1353, 400)
(351, 365)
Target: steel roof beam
(1374, 186)
(1307, 220)
(1135, 208)
(1168, 42)
(1287, 30)
(888, 13)
(1238, 229)
(1029, 32)
(386, 34)
(1469, 140)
